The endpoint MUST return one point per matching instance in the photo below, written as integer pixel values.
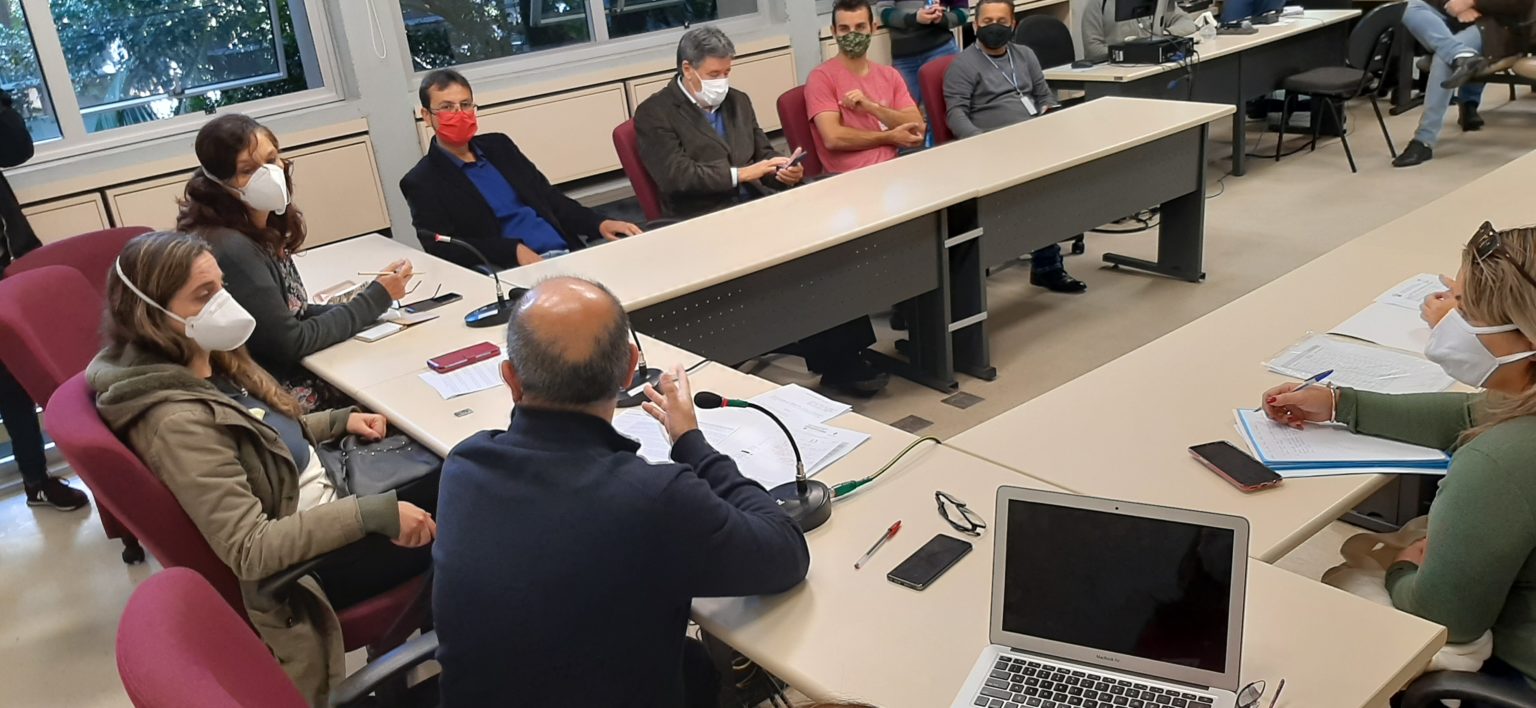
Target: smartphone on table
(926, 564)
(431, 303)
(461, 358)
(1237, 467)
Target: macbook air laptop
(1107, 604)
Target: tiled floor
(62, 586)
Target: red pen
(890, 533)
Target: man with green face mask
(862, 110)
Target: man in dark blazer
(565, 563)
(699, 139)
(482, 190)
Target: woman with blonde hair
(1476, 571)
(176, 383)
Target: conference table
(1229, 69)
(1132, 419)
(739, 282)
(846, 633)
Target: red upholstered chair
(179, 645)
(931, 78)
(50, 316)
(799, 131)
(646, 191)
(91, 253)
(136, 496)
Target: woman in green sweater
(1476, 571)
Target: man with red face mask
(479, 188)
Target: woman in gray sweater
(239, 201)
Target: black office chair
(1048, 37)
(1370, 43)
(1429, 690)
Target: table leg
(1240, 140)
(1180, 232)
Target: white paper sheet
(1410, 293)
(797, 405)
(1387, 325)
(1322, 445)
(470, 379)
(1360, 366)
(1305, 472)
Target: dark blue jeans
(20, 415)
(1046, 259)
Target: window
(448, 32)
(631, 17)
(20, 76)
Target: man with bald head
(566, 563)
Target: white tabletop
(1130, 421)
(1221, 45)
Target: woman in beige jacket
(176, 383)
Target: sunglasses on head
(1488, 244)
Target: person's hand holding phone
(930, 15)
(1284, 404)
(761, 169)
(790, 176)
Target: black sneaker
(1414, 154)
(856, 376)
(1469, 119)
(56, 493)
(1463, 69)
(1057, 281)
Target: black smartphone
(1235, 466)
(431, 303)
(926, 564)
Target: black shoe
(1415, 153)
(1470, 120)
(1057, 281)
(56, 493)
(856, 376)
(1463, 69)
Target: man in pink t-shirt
(861, 109)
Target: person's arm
(1095, 32)
(15, 139)
(1039, 91)
(959, 91)
(577, 219)
(281, 338)
(1481, 533)
(762, 147)
(1429, 419)
(1178, 21)
(324, 426)
(667, 160)
(430, 218)
(197, 460)
(739, 541)
(839, 137)
(903, 112)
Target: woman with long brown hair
(1476, 571)
(240, 201)
(176, 383)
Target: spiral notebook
(1329, 446)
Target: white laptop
(1107, 604)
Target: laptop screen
(1150, 588)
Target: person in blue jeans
(1457, 45)
(920, 31)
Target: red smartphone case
(461, 358)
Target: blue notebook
(1329, 446)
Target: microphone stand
(807, 501)
(496, 313)
(634, 394)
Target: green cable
(843, 489)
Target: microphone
(634, 395)
(496, 313)
(807, 501)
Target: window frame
(74, 140)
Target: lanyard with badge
(1013, 79)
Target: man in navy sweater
(565, 563)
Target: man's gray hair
(702, 43)
(550, 377)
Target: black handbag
(360, 468)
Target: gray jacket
(1100, 29)
(981, 95)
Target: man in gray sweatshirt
(1101, 30)
(996, 83)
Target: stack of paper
(470, 379)
(1319, 450)
(1361, 367)
(753, 440)
(1393, 319)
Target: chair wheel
(1078, 248)
(133, 555)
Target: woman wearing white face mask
(240, 201)
(1477, 571)
(176, 384)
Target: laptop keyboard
(1020, 683)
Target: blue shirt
(518, 220)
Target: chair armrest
(274, 586)
(388, 667)
(1426, 691)
(654, 224)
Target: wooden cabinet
(569, 135)
(763, 77)
(59, 219)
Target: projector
(1152, 50)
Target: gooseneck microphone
(807, 501)
(633, 394)
(496, 313)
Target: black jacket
(565, 564)
(689, 162)
(444, 201)
(16, 236)
(282, 339)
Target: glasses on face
(970, 522)
(1250, 695)
(1488, 243)
(465, 107)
